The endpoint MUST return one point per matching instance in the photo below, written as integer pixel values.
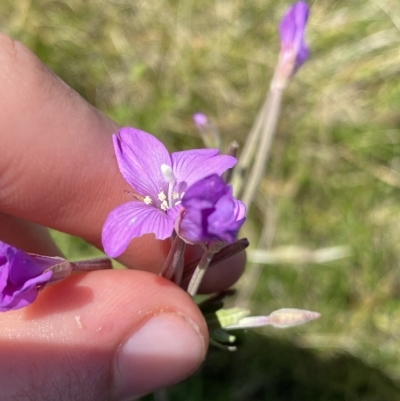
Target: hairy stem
(91, 264)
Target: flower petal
(4, 272)
(3, 248)
(292, 29)
(287, 28)
(190, 166)
(211, 212)
(140, 157)
(200, 119)
(222, 223)
(206, 193)
(301, 18)
(294, 22)
(240, 209)
(132, 220)
(21, 274)
(193, 226)
(12, 299)
(24, 267)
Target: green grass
(333, 177)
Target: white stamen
(164, 205)
(168, 173)
(175, 195)
(162, 196)
(147, 200)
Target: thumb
(105, 335)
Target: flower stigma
(168, 173)
(170, 178)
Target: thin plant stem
(174, 258)
(225, 253)
(223, 346)
(92, 264)
(199, 273)
(179, 269)
(267, 135)
(246, 156)
(65, 268)
(250, 280)
(210, 135)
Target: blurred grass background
(333, 177)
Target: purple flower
(201, 120)
(291, 28)
(21, 276)
(207, 130)
(210, 212)
(160, 179)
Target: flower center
(173, 198)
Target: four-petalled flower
(160, 181)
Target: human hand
(104, 335)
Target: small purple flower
(21, 276)
(207, 130)
(160, 179)
(201, 120)
(210, 212)
(292, 28)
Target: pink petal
(292, 30)
(25, 295)
(132, 220)
(140, 156)
(190, 166)
(240, 210)
(200, 119)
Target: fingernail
(162, 351)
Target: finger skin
(64, 344)
(26, 235)
(58, 167)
